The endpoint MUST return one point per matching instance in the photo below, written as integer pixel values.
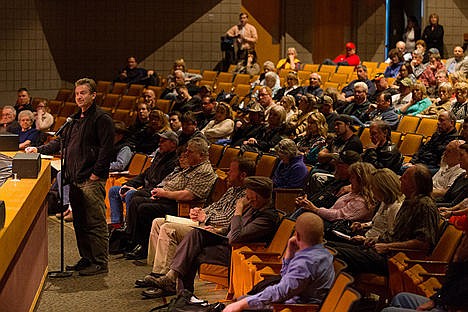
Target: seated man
(250, 128)
(416, 227)
(348, 59)
(459, 62)
(134, 74)
(307, 273)
(430, 153)
(192, 183)
(138, 128)
(189, 129)
(8, 121)
(381, 86)
(165, 236)
(384, 111)
(254, 220)
(449, 169)
(359, 106)
(348, 91)
(23, 101)
(383, 153)
(162, 164)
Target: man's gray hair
(287, 147)
(200, 145)
(13, 110)
(362, 85)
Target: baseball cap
(350, 45)
(256, 108)
(348, 157)
(169, 135)
(378, 76)
(327, 100)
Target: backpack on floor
(187, 302)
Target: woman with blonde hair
(314, 140)
(292, 87)
(357, 205)
(460, 106)
(289, 104)
(179, 64)
(419, 102)
(290, 62)
(222, 126)
(443, 102)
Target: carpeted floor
(106, 292)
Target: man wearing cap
(307, 272)
(162, 164)
(381, 85)
(251, 128)
(382, 111)
(348, 59)
(254, 220)
(166, 236)
(122, 151)
(405, 95)
(190, 184)
(348, 91)
(345, 140)
(328, 111)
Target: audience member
(192, 183)
(315, 81)
(460, 106)
(382, 86)
(133, 74)
(179, 78)
(307, 104)
(43, 119)
(122, 153)
(251, 128)
(184, 102)
(292, 87)
(358, 107)
(149, 140)
(348, 91)
(396, 59)
(268, 66)
(406, 70)
(417, 63)
(421, 48)
(384, 111)
(291, 171)
(419, 101)
(23, 101)
(443, 102)
(415, 227)
(348, 59)
(248, 65)
(400, 46)
(412, 33)
(405, 96)
(271, 133)
(313, 140)
(458, 62)
(166, 236)
(289, 104)
(254, 220)
(190, 78)
(291, 62)
(382, 153)
(138, 128)
(28, 136)
(189, 129)
(357, 205)
(245, 35)
(433, 34)
(345, 140)
(222, 126)
(428, 77)
(163, 163)
(449, 169)
(149, 97)
(306, 274)
(207, 113)
(430, 153)
(330, 114)
(8, 121)
(174, 121)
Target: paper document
(180, 220)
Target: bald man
(307, 272)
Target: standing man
(245, 35)
(88, 155)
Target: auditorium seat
(135, 90)
(64, 95)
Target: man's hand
(381, 248)
(124, 190)
(240, 206)
(30, 150)
(197, 214)
(158, 192)
(292, 248)
(93, 177)
(237, 306)
(426, 306)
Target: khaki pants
(163, 241)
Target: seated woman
(358, 205)
(406, 71)
(222, 126)
(271, 134)
(291, 62)
(44, 120)
(306, 104)
(27, 135)
(289, 104)
(396, 60)
(268, 66)
(248, 65)
(460, 106)
(443, 102)
(292, 87)
(419, 102)
(179, 64)
(314, 140)
(386, 188)
(428, 76)
(291, 171)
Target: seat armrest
(260, 253)
(288, 190)
(295, 307)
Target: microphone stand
(63, 138)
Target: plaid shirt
(219, 214)
(197, 179)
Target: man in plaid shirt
(165, 236)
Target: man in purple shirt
(307, 273)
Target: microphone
(68, 122)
